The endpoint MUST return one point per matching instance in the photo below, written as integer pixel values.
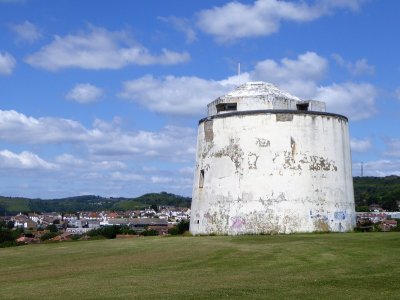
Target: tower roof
(259, 89)
(260, 95)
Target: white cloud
(236, 20)
(68, 161)
(131, 177)
(181, 25)
(160, 179)
(175, 95)
(172, 143)
(309, 66)
(298, 76)
(17, 127)
(359, 67)
(97, 49)
(360, 145)
(186, 170)
(356, 100)
(379, 168)
(85, 93)
(24, 160)
(26, 32)
(7, 63)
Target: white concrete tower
(268, 162)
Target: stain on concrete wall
(234, 152)
(262, 142)
(318, 163)
(208, 131)
(284, 117)
(252, 160)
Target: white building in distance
(268, 162)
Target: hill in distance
(13, 205)
(384, 191)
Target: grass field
(300, 266)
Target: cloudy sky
(103, 97)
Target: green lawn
(300, 266)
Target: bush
(180, 228)
(173, 230)
(75, 237)
(109, 232)
(9, 244)
(128, 231)
(7, 235)
(48, 236)
(183, 226)
(150, 232)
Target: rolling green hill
(14, 204)
(297, 266)
(89, 203)
(380, 190)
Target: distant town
(41, 227)
(36, 227)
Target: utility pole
(362, 169)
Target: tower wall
(272, 171)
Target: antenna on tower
(238, 69)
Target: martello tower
(268, 162)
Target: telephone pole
(362, 169)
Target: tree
(180, 228)
(362, 208)
(183, 226)
(53, 228)
(390, 205)
(48, 235)
(154, 207)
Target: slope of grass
(309, 266)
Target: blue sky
(103, 97)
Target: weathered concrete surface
(261, 95)
(273, 173)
